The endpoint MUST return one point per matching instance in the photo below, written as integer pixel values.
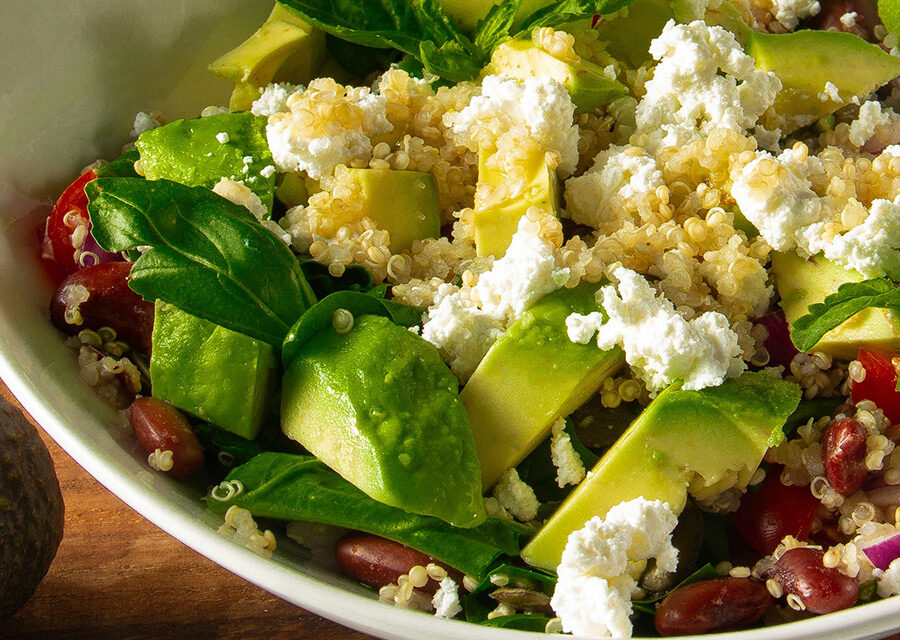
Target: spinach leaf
(538, 470)
(224, 450)
(520, 621)
(358, 59)
(200, 152)
(289, 487)
(204, 254)
(535, 580)
(354, 278)
(847, 301)
(320, 315)
(121, 167)
(646, 605)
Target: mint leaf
(889, 12)
(847, 301)
(558, 14)
(205, 255)
(496, 26)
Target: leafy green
(289, 487)
(224, 450)
(847, 301)
(354, 278)
(889, 12)
(520, 621)
(189, 152)
(538, 470)
(121, 167)
(320, 315)
(203, 254)
(534, 579)
(422, 29)
(812, 408)
(645, 605)
(358, 59)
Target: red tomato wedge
(69, 213)
(879, 385)
(773, 512)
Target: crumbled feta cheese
(776, 195)
(446, 599)
(274, 98)
(144, 122)
(464, 324)
(267, 171)
(569, 467)
(318, 147)
(537, 111)
(830, 93)
(617, 174)
(239, 193)
(704, 81)
(494, 509)
(660, 344)
(789, 13)
(849, 19)
(516, 496)
(870, 116)
(889, 581)
(593, 594)
(223, 137)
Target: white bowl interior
(73, 77)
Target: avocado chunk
(683, 439)
(285, 47)
(802, 283)
(587, 83)
(807, 61)
(203, 151)
(628, 35)
(532, 376)
(496, 216)
(211, 372)
(378, 405)
(403, 203)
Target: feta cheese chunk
(310, 138)
(446, 599)
(274, 98)
(660, 344)
(704, 81)
(789, 13)
(509, 113)
(464, 323)
(593, 594)
(569, 467)
(776, 195)
(516, 496)
(870, 116)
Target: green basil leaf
(205, 255)
(290, 487)
(496, 26)
(847, 301)
(558, 14)
(202, 151)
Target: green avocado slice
(378, 405)
(682, 439)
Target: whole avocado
(31, 510)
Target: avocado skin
(211, 372)
(31, 510)
(380, 407)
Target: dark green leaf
(850, 299)
(450, 61)
(121, 167)
(188, 151)
(706, 572)
(814, 408)
(288, 487)
(224, 450)
(558, 14)
(358, 59)
(496, 26)
(538, 470)
(320, 315)
(354, 278)
(520, 621)
(536, 580)
(205, 255)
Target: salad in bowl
(570, 317)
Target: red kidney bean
(712, 605)
(821, 589)
(110, 303)
(159, 425)
(829, 17)
(377, 561)
(844, 455)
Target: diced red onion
(883, 552)
(90, 245)
(778, 344)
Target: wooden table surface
(118, 577)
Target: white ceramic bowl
(73, 76)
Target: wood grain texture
(118, 577)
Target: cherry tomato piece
(879, 385)
(69, 213)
